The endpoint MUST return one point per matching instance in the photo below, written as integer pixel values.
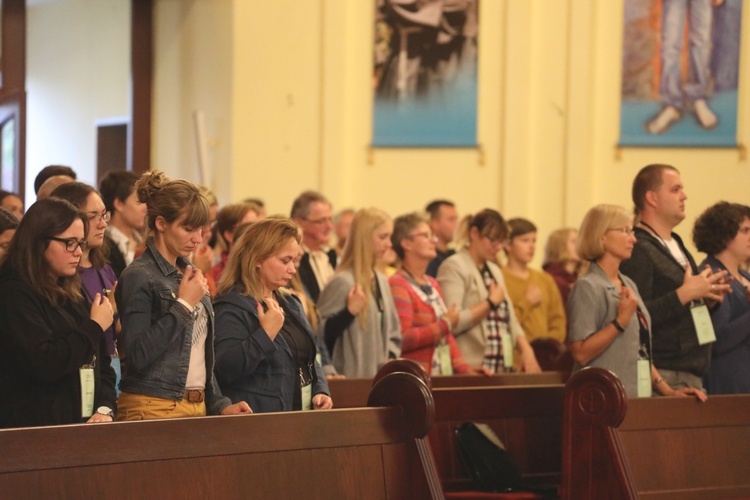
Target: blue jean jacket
(157, 331)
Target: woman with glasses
(54, 364)
(358, 318)
(426, 323)
(487, 328)
(167, 317)
(608, 324)
(723, 232)
(96, 274)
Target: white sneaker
(706, 117)
(663, 120)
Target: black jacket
(307, 275)
(42, 348)
(658, 276)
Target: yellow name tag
(703, 325)
(87, 391)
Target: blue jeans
(699, 14)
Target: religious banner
(680, 67)
(425, 73)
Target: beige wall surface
(299, 109)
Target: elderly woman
(723, 232)
(167, 317)
(608, 324)
(426, 323)
(358, 318)
(54, 366)
(487, 328)
(265, 348)
(561, 259)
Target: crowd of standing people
(145, 300)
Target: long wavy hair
(260, 241)
(358, 256)
(25, 257)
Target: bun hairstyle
(171, 200)
(25, 257)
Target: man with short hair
(443, 222)
(52, 171)
(673, 289)
(123, 233)
(312, 211)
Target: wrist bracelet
(618, 326)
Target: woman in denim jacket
(167, 318)
(265, 349)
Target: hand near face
(193, 286)
(356, 300)
(101, 312)
(203, 258)
(271, 320)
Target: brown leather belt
(195, 395)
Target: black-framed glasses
(95, 217)
(71, 244)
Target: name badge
(507, 342)
(87, 390)
(703, 325)
(444, 357)
(307, 397)
(644, 378)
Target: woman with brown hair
(167, 317)
(487, 328)
(54, 366)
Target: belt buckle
(194, 395)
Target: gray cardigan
(462, 284)
(360, 352)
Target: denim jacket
(157, 331)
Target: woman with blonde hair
(167, 317)
(608, 324)
(265, 348)
(358, 317)
(561, 259)
(487, 328)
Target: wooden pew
(663, 448)
(352, 392)
(356, 453)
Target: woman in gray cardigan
(358, 318)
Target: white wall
(77, 72)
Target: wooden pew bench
(663, 448)
(366, 453)
(352, 392)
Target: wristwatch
(106, 410)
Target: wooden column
(142, 70)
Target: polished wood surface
(657, 447)
(351, 453)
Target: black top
(303, 352)
(42, 348)
(432, 267)
(307, 275)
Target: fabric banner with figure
(680, 68)
(425, 73)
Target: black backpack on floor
(485, 459)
